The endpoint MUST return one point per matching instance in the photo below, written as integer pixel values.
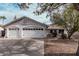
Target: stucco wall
(24, 23)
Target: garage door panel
(34, 33)
(13, 33)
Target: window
(13, 28)
(32, 28)
(40, 29)
(61, 31)
(24, 28)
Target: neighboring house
(25, 27)
(1, 31)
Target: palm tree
(3, 18)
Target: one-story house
(25, 27)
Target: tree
(69, 19)
(47, 7)
(23, 6)
(3, 18)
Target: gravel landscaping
(60, 47)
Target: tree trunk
(70, 34)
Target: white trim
(7, 33)
(21, 33)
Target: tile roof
(24, 18)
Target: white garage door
(13, 33)
(34, 33)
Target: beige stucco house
(25, 27)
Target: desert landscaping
(62, 47)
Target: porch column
(7, 33)
(57, 32)
(21, 32)
(45, 34)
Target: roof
(24, 18)
(54, 26)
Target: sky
(10, 10)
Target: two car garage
(25, 27)
(26, 33)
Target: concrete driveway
(21, 47)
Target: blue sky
(10, 10)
